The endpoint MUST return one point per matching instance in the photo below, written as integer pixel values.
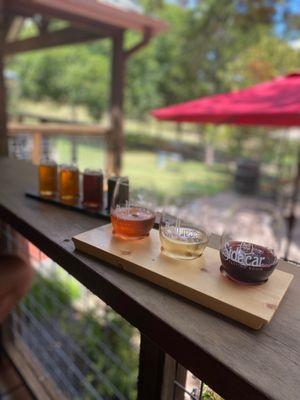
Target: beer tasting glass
(92, 189)
(180, 239)
(47, 178)
(111, 185)
(132, 214)
(69, 184)
(251, 242)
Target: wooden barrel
(246, 176)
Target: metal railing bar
(65, 359)
(115, 329)
(41, 349)
(47, 362)
(113, 357)
(176, 383)
(101, 345)
(45, 353)
(201, 390)
(80, 354)
(110, 324)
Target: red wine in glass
(247, 262)
(250, 244)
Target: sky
(294, 7)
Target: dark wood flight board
(78, 207)
(103, 213)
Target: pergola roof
(124, 4)
(86, 20)
(94, 14)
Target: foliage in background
(70, 75)
(55, 295)
(211, 47)
(265, 59)
(164, 174)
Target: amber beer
(48, 178)
(132, 222)
(69, 183)
(92, 189)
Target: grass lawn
(183, 178)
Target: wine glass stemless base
(225, 273)
(179, 256)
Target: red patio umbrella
(272, 103)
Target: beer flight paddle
(198, 280)
(62, 186)
(177, 256)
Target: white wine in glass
(181, 240)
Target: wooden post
(157, 373)
(3, 115)
(37, 148)
(292, 216)
(115, 139)
(151, 370)
(173, 371)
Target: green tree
(155, 75)
(74, 75)
(204, 52)
(259, 62)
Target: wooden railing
(46, 129)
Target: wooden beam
(57, 129)
(79, 21)
(42, 118)
(115, 141)
(3, 116)
(91, 11)
(14, 28)
(145, 40)
(61, 37)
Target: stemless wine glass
(180, 239)
(251, 242)
(132, 213)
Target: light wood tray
(198, 280)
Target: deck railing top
(226, 355)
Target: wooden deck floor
(11, 385)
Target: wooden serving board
(198, 280)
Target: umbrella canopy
(273, 103)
